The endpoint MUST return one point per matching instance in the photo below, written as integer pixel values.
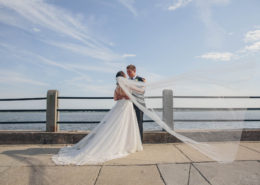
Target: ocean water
(148, 126)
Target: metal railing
(52, 118)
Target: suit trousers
(139, 116)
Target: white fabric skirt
(116, 136)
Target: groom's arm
(141, 79)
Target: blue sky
(78, 46)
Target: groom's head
(131, 70)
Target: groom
(131, 71)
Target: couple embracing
(118, 134)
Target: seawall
(69, 137)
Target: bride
(116, 136)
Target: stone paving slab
(175, 174)
(153, 153)
(196, 177)
(4, 148)
(6, 160)
(239, 152)
(30, 150)
(247, 154)
(192, 154)
(60, 175)
(40, 160)
(129, 175)
(236, 173)
(3, 168)
(255, 146)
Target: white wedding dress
(116, 136)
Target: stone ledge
(69, 137)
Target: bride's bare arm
(119, 94)
(116, 97)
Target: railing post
(168, 107)
(51, 111)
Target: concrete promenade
(157, 164)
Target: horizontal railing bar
(106, 110)
(77, 122)
(89, 122)
(185, 120)
(220, 120)
(96, 97)
(23, 110)
(21, 99)
(72, 97)
(83, 110)
(60, 122)
(94, 122)
(160, 109)
(21, 122)
(212, 109)
(150, 97)
(216, 96)
(181, 120)
(91, 110)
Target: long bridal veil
(218, 81)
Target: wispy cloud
(11, 77)
(36, 29)
(40, 15)
(95, 88)
(253, 47)
(224, 56)
(37, 59)
(179, 4)
(128, 55)
(73, 67)
(252, 37)
(129, 4)
(215, 33)
(102, 54)
(85, 67)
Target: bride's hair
(120, 73)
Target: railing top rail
(96, 97)
(157, 109)
(71, 97)
(83, 97)
(21, 99)
(216, 96)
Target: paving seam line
(160, 174)
(201, 173)
(98, 175)
(189, 175)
